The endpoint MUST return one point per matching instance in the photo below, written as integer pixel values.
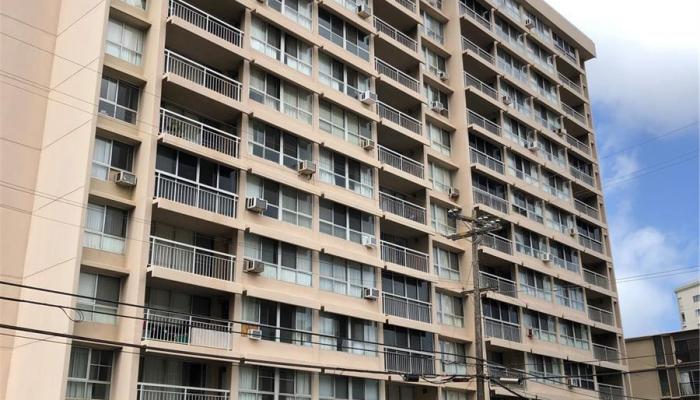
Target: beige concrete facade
(140, 138)
(688, 297)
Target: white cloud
(623, 167)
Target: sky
(643, 86)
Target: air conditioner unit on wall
(367, 97)
(370, 293)
(253, 266)
(364, 11)
(306, 168)
(256, 204)
(366, 143)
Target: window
(433, 96)
(453, 395)
(441, 221)
(487, 185)
(548, 369)
(500, 311)
(689, 382)
(450, 310)
(406, 297)
(434, 62)
(529, 243)
(89, 374)
(347, 173)
(343, 34)
(512, 65)
(556, 185)
(104, 291)
(110, 155)
(566, 47)
(564, 256)
(552, 151)
(274, 92)
(344, 124)
(439, 139)
(558, 219)
(281, 46)
(176, 169)
(573, 334)
(298, 11)
(540, 55)
(663, 382)
(337, 75)
(696, 298)
(409, 339)
(541, 325)
(267, 383)
(433, 28)
(518, 132)
(283, 261)
(512, 7)
(284, 203)
(589, 231)
(527, 205)
(440, 177)
(509, 33)
(278, 146)
(124, 42)
(535, 284)
(569, 295)
(523, 168)
(336, 387)
(541, 29)
(446, 263)
(659, 351)
(345, 277)
(118, 100)
(345, 222)
(270, 316)
(580, 375)
(544, 86)
(453, 357)
(486, 148)
(547, 118)
(136, 3)
(105, 228)
(351, 335)
(518, 100)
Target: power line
(642, 143)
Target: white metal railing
(689, 388)
(408, 4)
(497, 243)
(550, 124)
(611, 392)
(534, 291)
(280, 105)
(402, 119)
(469, 45)
(586, 209)
(581, 176)
(527, 178)
(103, 241)
(401, 255)
(542, 334)
(566, 264)
(476, 119)
(555, 191)
(395, 34)
(470, 80)
(571, 84)
(573, 113)
(205, 21)
(518, 73)
(291, 13)
(600, 315)
(201, 75)
(501, 329)
(409, 361)
(596, 278)
(605, 353)
(157, 391)
(486, 160)
(501, 285)
(192, 259)
(578, 144)
(522, 209)
(404, 307)
(187, 329)
(529, 250)
(196, 195)
(401, 162)
(396, 75)
(590, 243)
(491, 200)
(196, 132)
(564, 52)
(402, 208)
(464, 9)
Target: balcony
(404, 256)
(402, 119)
(574, 114)
(397, 76)
(523, 176)
(407, 4)
(586, 209)
(606, 353)
(502, 330)
(471, 81)
(490, 200)
(187, 329)
(403, 307)
(529, 250)
(611, 392)
(497, 243)
(565, 264)
(600, 315)
(205, 22)
(191, 259)
(476, 119)
(581, 176)
(465, 10)
(409, 362)
(689, 388)
(198, 133)
(395, 34)
(468, 45)
(500, 285)
(570, 84)
(193, 194)
(578, 144)
(487, 161)
(590, 243)
(402, 208)
(153, 391)
(401, 162)
(595, 278)
(203, 76)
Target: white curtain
(303, 383)
(100, 158)
(249, 378)
(329, 326)
(251, 310)
(252, 247)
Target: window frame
(130, 114)
(87, 381)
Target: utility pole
(476, 227)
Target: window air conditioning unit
(572, 231)
(370, 293)
(530, 333)
(256, 204)
(364, 11)
(437, 106)
(369, 241)
(253, 266)
(255, 334)
(570, 382)
(453, 192)
(367, 97)
(126, 179)
(561, 131)
(443, 75)
(532, 146)
(506, 100)
(546, 257)
(434, 3)
(306, 168)
(367, 143)
(529, 24)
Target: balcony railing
(501, 330)
(501, 285)
(406, 308)
(187, 329)
(408, 362)
(407, 4)
(478, 120)
(582, 176)
(156, 391)
(570, 84)
(464, 9)
(689, 388)
(201, 75)
(488, 199)
(193, 194)
(600, 315)
(401, 162)
(470, 80)
(196, 132)
(402, 208)
(578, 144)
(596, 278)
(497, 371)
(566, 264)
(469, 45)
(611, 392)
(396, 75)
(605, 353)
(487, 161)
(204, 21)
(529, 250)
(590, 243)
(401, 255)
(574, 114)
(402, 119)
(395, 34)
(497, 243)
(191, 259)
(586, 209)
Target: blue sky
(644, 84)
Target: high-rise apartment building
(249, 200)
(688, 297)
